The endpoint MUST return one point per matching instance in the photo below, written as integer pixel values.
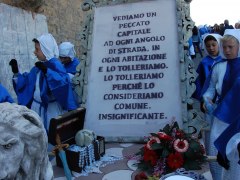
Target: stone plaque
(134, 76)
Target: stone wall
(64, 18)
(17, 29)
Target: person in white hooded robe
(46, 89)
(223, 76)
(67, 55)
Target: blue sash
(228, 133)
(204, 71)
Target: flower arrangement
(169, 149)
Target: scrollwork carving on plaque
(194, 116)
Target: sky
(215, 11)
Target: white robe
(217, 126)
(54, 109)
(233, 156)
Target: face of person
(212, 48)
(38, 52)
(65, 60)
(230, 49)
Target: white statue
(23, 145)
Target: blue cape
(71, 67)
(227, 134)
(204, 73)
(228, 108)
(4, 95)
(55, 81)
(229, 105)
(232, 73)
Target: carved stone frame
(190, 117)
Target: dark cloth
(41, 66)
(197, 48)
(223, 161)
(227, 26)
(14, 65)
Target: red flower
(175, 160)
(140, 176)
(152, 141)
(169, 149)
(164, 136)
(150, 156)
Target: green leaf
(141, 151)
(152, 178)
(189, 154)
(195, 146)
(146, 167)
(191, 165)
(154, 134)
(156, 146)
(142, 166)
(167, 129)
(165, 153)
(175, 125)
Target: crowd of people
(46, 88)
(217, 90)
(198, 33)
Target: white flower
(180, 145)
